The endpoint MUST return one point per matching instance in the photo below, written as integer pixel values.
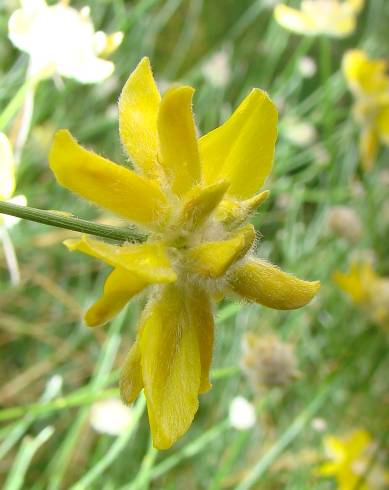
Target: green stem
(53, 218)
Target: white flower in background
(300, 133)
(110, 416)
(62, 40)
(241, 413)
(216, 70)
(8, 181)
(307, 66)
(318, 424)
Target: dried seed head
(344, 222)
(268, 362)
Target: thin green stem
(53, 218)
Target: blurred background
(292, 391)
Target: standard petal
(295, 20)
(264, 283)
(171, 366)
(107, 184)
(120, 286)
(199, 204)
(131, 382)
(148, 261)
(241, 150)
(138, 111)
(212, 259)
(179, 154)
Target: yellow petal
(358, 282)
(179, 155)
(199, 204)
(264, 283)
(170, 366)
(327, 469)
(364, 75)
(383, 124)
(7, 168)
(294, 20)
(334, 448)
(344, 25)
(241, 150)
(120, 286)
(356, 5)
(138, 112)
(233, 213)
(148, 261)
(106, 44)
(212, 259)
(107, 184)
(368, 146)
(202, 319)
(356, 443)
(131, 382)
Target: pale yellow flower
(349, 461)
(317, 17)
(194, 197)
(7, 181)
(110, 416)
(62, 40)
(367, 289)
(368, 79)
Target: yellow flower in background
(349, 462)
(62, 40)
(8, 181)
(368, 290)
(194, 197)
(369, 82)
(317, 17)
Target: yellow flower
(369, 81)
(368, 290)
(194, 197)
(317, 17)
(349, 461)
(59, 39)
(7, 181)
